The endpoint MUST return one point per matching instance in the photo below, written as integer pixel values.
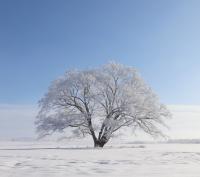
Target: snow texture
(39, 159)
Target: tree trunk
(99, 143)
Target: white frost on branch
(99, 102)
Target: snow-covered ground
(46, 159)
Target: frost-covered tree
(99, 102)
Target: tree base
(99, 144)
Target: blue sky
(41, 39)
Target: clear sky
(41, 39)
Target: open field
(49, 159)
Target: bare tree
(99, 102)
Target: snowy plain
(75, 159)
(59, 159)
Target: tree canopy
(99, 102)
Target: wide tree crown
(100, 100)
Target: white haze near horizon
(17, 121)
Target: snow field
(48, 159)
